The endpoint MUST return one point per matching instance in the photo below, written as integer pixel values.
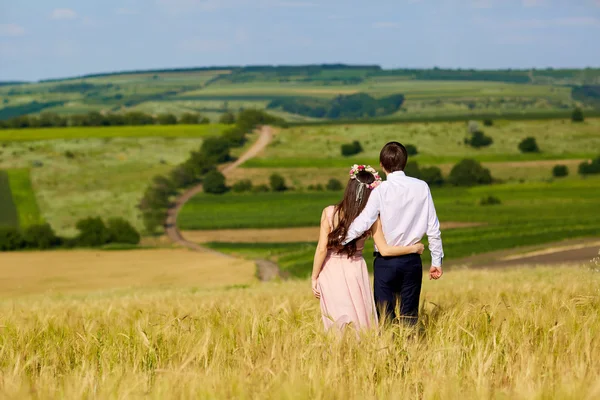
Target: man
(407, 214)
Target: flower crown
(358, 168)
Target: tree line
(94, 118)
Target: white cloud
(385, 25)
(554, 22)
(181, 6)
(126, 11)
(11, 30)
(63, 13)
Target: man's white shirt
(407, 214)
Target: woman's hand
(419, 248)
(315, 288)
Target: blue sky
(48, 38)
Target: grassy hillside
(78, 178)
(211, 91)
(519, 334)
(319, 146)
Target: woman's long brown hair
(347, 210)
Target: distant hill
(301, 92)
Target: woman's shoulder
(328, 212)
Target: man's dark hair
(393, 157)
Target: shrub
(214, 183)
(166, 119)
(479, 139)
(577, 115)
(11, 239)
(236, 136)
(227, 118)
(216, 149)
(559, 171)
(412, 169)
(69, 154)
(351, 149)
(245, 185)
(189, 119)
(432, 175)
(411, 150)
(590, 167)
(92, 232)
(204, 121)
(260, 188)
(184, 175)
(277, 183)
(121, 231)
(334, 185)
(489, 201)
(153, 219)
(488, 122)
(469, 172)
(529, 145)
(40, 237)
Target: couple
(397, 213)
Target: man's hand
(315, 289)
(435, 273)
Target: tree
(153, 219)
(245, 185)
(92, 232)
(189, 119)
(277, 183)
(529, 145)
(412, 169)
(236, 136)
(591, 167)
(184, 175)
(11, 239)
(166, 119)
(216, 149)
(411, 150)
(121, 231)
(577, 115)
(351, 148)
(479, 139)
(260, 189)
(40, 237)
(227, 118)
(469, 172)
(488, 122)
(559, 171)
(432, 175)
(334, 185)
(214, 183)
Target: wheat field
(503, 334)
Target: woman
(340, 278)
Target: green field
(8, 210)
(24, 197)
(319, 146)
(109, 132)
(78, 178)
(530, 214)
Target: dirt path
(266, 135)
(574, 251)
(279, 235)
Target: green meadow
(24, 197)
(8, 210)
(110, 132)
(319, 146)
(78, 178)
(530, 214)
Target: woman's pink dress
(346, 296)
